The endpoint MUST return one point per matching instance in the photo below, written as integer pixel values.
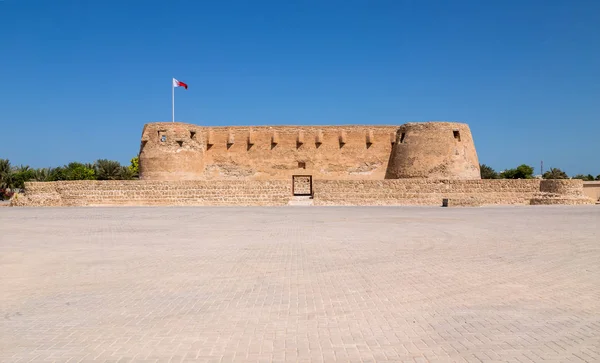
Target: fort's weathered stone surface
(561, 191)
(137, 192)
(434, 150)
(425, 192)
(171, 151)
(176, 151)
(279, 192)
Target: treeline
(14, 177)
(526, 172)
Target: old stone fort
(421, 163)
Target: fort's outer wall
(264, 152)
(434, 150)
(279, 192)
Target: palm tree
(6, 174)
(21, 169)
(41, 174)
(126, 173)
(555, 173)
(108, 169)
(487, 172)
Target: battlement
(168, 132)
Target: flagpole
(173, 100)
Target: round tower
(434, 150)
(171, 151)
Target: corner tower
(171, 151)
(433, 150)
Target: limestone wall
(178, 151)
(434, 150)
(424, 192)
(279, 192)
(561, 191)
(146, 193)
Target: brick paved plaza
(301, 284)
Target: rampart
(178, 151)
(279, 192)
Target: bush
(6, 174)
(6, 194)
(588, 177)
(21, 175)
(126, 173)
(521, 172)
(555, 173)
(78, 171)
(487, 172)
(135, 166)
(107, 169)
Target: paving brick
(359, 284)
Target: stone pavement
(300, 284)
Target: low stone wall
(146, 193)
(561, 191)
(39, 194)
(326, 192)
(424, 192)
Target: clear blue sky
(78, 79)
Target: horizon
(81, 79)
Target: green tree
(108, 169)
(588, 177)
(22, 174)
(6, 174)
(523, 171)
(56, 174)
(487, 172)
(135, 166)
(555, 173)
(41, 174)
(126, 173)
(78, 171)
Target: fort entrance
(302, 185)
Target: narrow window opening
(192, 134)
(402, 138)
(180, 143)
(456, 135)
(302, 165)
(163, 138)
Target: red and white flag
(177, 83)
